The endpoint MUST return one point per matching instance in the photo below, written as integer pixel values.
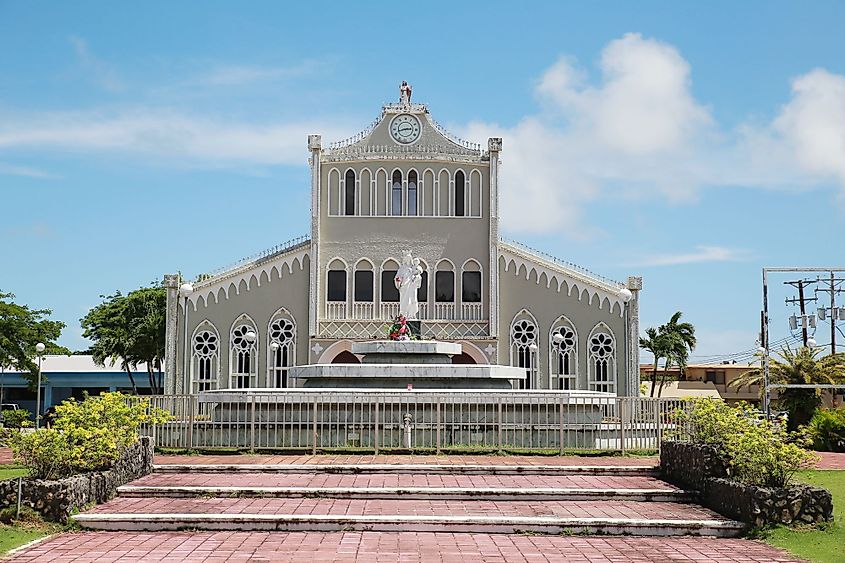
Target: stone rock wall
(688, 465)
(759, 506)
(698, 467)
(57, 500)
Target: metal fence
(379, 420)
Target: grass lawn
(817, 544)
(12, 472)
(16, 535)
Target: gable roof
(562, 273)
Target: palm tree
(673, 341)
(802, 366)
(655, 344)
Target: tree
(147, 308)
(802, 366)
(129, 329)
(656, 344)
(21, 328)
(672, 341)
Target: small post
(560, 438)
(20, 491)
(314, 449)
(622, 425)
(252, 426)
(501, 423)
(191, 421)
(407, 420)
(438, 425)
(657, 418)
(376, 428)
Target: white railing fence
(384, 420)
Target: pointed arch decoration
(524, 337)
(281, 348)
(243, 357)
(601, 359)
(563, 355)
(205, 357)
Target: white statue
(405, 93)
(408, 281)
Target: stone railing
(698, 467)
(57, 500)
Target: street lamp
(39, 350)
(811, 343)
(625, 294)
(557, 337)
(185, 291)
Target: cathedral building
(404, 183)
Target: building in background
(70, 376)
(705, 380)
(403, 184)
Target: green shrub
(755, 451)
(86, 436)
(827, 429)
(16, 419)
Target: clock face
(405, 128)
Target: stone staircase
(480, 498)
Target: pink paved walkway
(364, 480)
(406, 459)
(372, 547)
(831, 460)
(440, 507)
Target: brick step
(444, 493)
(433, 469)
(387, 523)
(369, 480)
(484, 516)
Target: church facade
(403, 184)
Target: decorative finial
(405, 93)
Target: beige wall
(260, 302)
(546, 304)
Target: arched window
(363, 290)
(396, 194)
(524, 337)
(412, 192)
(389, 291)
(349, 192)
(243, 369)
(336, 290)
(471, 306)
(601, 360)
(460, 191)
(563, 355)
(205, 358)
(281, 334)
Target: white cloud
(702, 253)
(102, 73)
(640, 133)
(26, 171)
(167, 135)
(813, 123)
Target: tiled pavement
(377, 547)
(418, 507)
(364, 480)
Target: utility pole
(832, 285)
(802, 301)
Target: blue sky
(691, 143)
